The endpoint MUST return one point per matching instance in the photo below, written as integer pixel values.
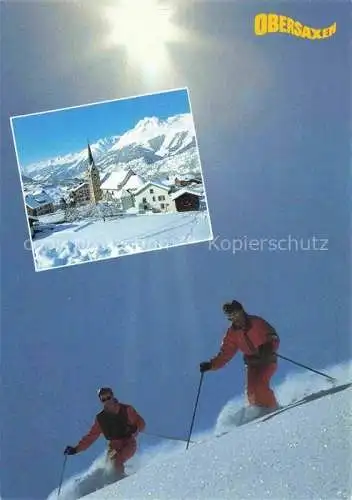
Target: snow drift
(303, 452)
(90, 240)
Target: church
(88, 191)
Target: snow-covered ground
(91, 240)
(302, 453)
(54, 218)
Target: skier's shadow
(309, 398)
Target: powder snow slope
(302, 453)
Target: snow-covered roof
(197, 188)
(114, 180)
(180, 192)
(134, 182)
(38, 199)
(80, 186)
(37, 192)
(150, 183)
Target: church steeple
(90, 157)
(93, 178)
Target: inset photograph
(113, 178)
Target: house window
(144, 200)
(162, 205)
(153, 198)
(151, 191)
(145, 207)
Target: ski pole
(62, 476)
(332, 379)
(195, 410)
(171, 438)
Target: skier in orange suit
(120, 424)
(258, 341)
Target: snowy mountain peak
(147, 123)
(157, 134)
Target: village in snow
(127, 194)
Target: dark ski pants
(120, 451)
(259, 392)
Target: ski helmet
(231, 307)
(104, 390)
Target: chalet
(39, 203)
(153, 196)
(186, 200)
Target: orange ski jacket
(133, 419)
(258, 341)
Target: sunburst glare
(143, 29)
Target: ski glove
(70, 450)
(205, 366)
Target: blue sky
(48, 135)
(273, 124)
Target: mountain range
(154, 147)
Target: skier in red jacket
(258, 341)
(120, 424)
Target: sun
(144, 28)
